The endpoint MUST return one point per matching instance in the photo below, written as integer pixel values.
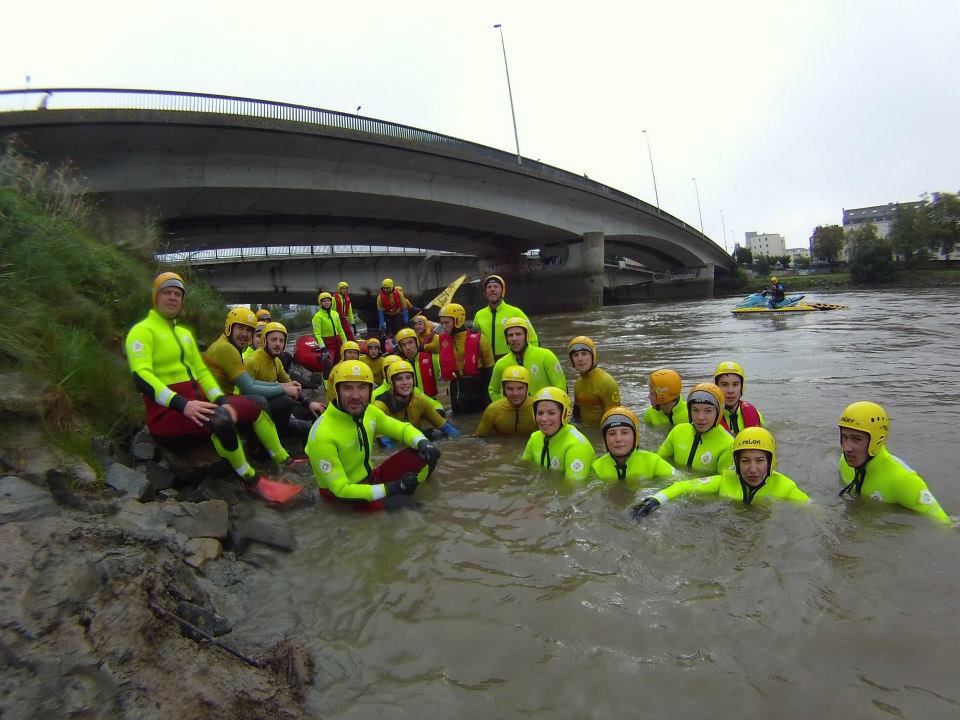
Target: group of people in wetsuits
(494, 364)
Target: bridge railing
(292, 252)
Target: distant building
(800, 252)
(881, 216)
(765, 244)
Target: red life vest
(343, 306)
(751, 417)
(392, 302)
(448, 356)
(427, 376)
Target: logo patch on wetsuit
(704, 481)
(325, 466)
(534, 369)
(576, 465)
(875, 495)
(706, 458)
(137, 346)
(554, 462)
(557, 367)
(926, 498)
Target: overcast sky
(784, 112)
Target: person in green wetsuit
(513, 413)
(541, 363)
(737, 412)
(702, 445)
(327, 328)
(753, 479)
(340, 443)
(489, 320)
(558, 445)
(667, 408)
(868, 469)
(623, 459)
(184, 404)
(595, 391)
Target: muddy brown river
(507, 593)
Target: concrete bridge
(225, 172)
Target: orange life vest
(448, 355)
(392, 302)
(427, 377)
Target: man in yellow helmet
(425, 328)
(184, 404)
(327, 328)
(392, 310)
(595, 391)
(512, 414)
(774, 293)
(344, 307)
(752, 479)
(868, 469)
(489, 320)
(541, 363)
(340, 444)
(466, 360)
(737, 412)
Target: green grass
(839, 281)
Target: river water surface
(508, 594)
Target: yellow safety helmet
(755, 438)
(324, 296)
(396, 368)
(558, 396)
(241, 316)
(405, 334)
(582, 342)
(496, 279)
(773, 278)
(389, 360)
(349, 345)
(516, 322)
(870, 418)
(666, 385)
(620, 416)
(515, 373)
(455, 311)
(351, 371)
(374, 341)
(264, 315)
(274, 327)
(398, 288)
(419, 316)
(387, 283)
(165, 280)
(728, 367)
(342, 285)
(708, 394)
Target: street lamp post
(724, 224)
(652, 173)
(513, 113)
(697, 188)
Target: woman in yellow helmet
(868, 469)
(753, 479)
(595, 391)
(623, 459)
(667, 407)
(402, 403)
(702, 445)
(558, 445)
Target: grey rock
(201, 550)
(168, 494)
(160, 476)
(132, 483)
(20, 500)
(40, 460)
(268, 527)
(204, 619)
(143, 446)
(104, 451)
(19, 395)
(209, 518)
(59, 484)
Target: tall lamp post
(697, 188)
(724, 224)
(513, 113)
(652, 173)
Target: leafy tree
(784, 260)
(911, 235)
(801, 262)
(826, 243)
(761, 264)
(871, 257)
(742, 255)
(943, 218)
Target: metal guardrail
(40, 99)
(295, 252)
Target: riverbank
(840, 281)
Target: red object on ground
(311, 355)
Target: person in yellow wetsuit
(752, 480)
(868, 469)
(426, 365)
(623, 459)
(513, 413)
(702, 445)
(737, 412)
(466, 360)
(558, 445)
(542, 364)
(340, 443)
(667, 407)
(350, 350)
(374, 359)
(425, 328)
(595, 391)
(402, 403)
(184, 404)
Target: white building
(765, 244)
(881, 216)
(800, 252)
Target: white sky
(785, 112)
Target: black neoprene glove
(644, 508)
(428, 452)
(405, 484)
